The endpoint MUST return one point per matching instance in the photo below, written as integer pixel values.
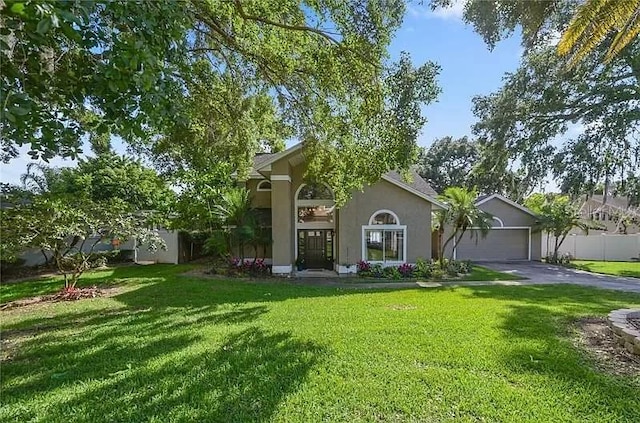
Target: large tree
(197, 81)
(102, 178)
(449, 162)
(594, 107)
(584, 25)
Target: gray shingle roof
(417, 183)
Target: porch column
(281, 224)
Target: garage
(500, 244)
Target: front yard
(616, 268)
(165, 347)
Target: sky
(468, 69)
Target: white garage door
(499, 244)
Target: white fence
(170, 255)
(596, 246)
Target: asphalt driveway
(542, 273)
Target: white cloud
(423, 10)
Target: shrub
(257, 267)
(392, 272)
(438, 274)
(406, 270)
(424, 268)
(364, 266)
(454, 267)
(377, 270)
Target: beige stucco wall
(413, 211)
(259, 199)
(510, 216)
(282, 222)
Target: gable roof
(416, 186)
(487, 198)
(619, 202)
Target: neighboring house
(512, 236)
(613, 216)
(388, 222)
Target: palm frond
(593, 22)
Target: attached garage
(512, 236)
(499, 244)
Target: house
(388, 222)
(512, 235)
(613, 216)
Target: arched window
(384, 240)
(264, 186)
(384, 217)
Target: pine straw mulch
(596, 337)
(63, 295)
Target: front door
(315, 248)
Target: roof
(620, 202)
(417, 182)
(416, 185)
(261, 158)
(486, 198)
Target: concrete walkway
(536, 274)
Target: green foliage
(460, 215)
(69, 229)
(102, 178)
(593, 107)
(449, 162)
(196, 82)
(557, 215)
(199, 192)
(424, 268)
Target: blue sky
(468, 68)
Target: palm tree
(461, 215)
(235, 212)
(557, 216)
(596, 19)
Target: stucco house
(388, 222)
(611, 215)
(512, 235)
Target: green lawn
(617, 268)
(175, 348)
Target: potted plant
(300, 263)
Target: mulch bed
(64, 295)
(597, 338)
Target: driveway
(541, 273)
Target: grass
(175, 348)
(616, 268)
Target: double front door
(315, 248)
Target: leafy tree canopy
(105, 177)
(193, 82)
(449, 162)
(543, 102)
(557, 215)
(584, 25)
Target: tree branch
(302, 28)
